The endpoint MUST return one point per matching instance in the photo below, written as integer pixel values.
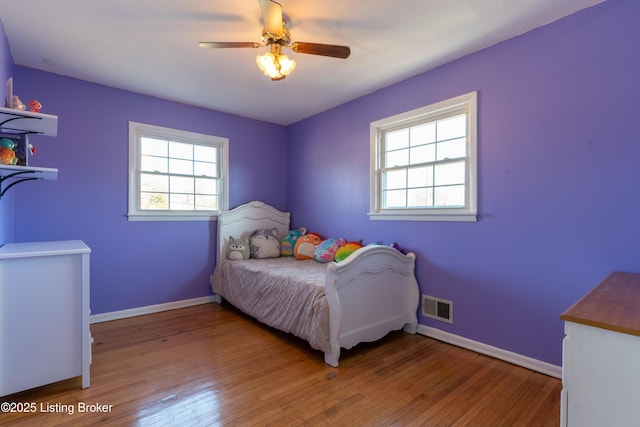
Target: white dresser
(601, 356)
(44, 314)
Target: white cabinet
(44, 314)
(601, 356)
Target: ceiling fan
(275, 35)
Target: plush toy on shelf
(7, 153)
(35, 106)
(8, 156)
(17, 104)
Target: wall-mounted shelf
(20, 174)
(28, 122)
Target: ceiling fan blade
(217, 45)
(272, 16)
(332, 50)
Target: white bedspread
(285, 293)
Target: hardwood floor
(210, 365)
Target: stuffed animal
(264, 243)
(8, 156)
(238, 249)
(399, 248)
(305, 247)
(287, 244)
(326, 250)
(347, 249)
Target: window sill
(172, 217)
(436, 216)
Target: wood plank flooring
(210, 365)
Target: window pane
(454, 127)
(396, 179)
(180, 184)
(449, 196)
(153, 164)
(397, 158)
(153, 147)
(450, 173)
(420, 177)
(423, 134)
(206, 186)
(180, 150)
(205, 154)
(205, 169)
(396, 140)
(149, 182)
(395, 199)
(182, 167)
(423, 154)
(153, 201)
(452, 149)
(420, 197)
(206, 203)
(181, 202)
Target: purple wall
(6, 202)
(558, 172)
(133, 264)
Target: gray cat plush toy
(238, 249)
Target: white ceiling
(151, 46)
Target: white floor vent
(437, 308)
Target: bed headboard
(243, 220)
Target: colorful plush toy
(35, 106)
(326, 250)
(8, 156)
(7, 143)
(288, 243)
(7, 153)
(305, 247)
(347, 249)
(264, 243)
(399, 248)
(238, 249)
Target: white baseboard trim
(498, 353)
(139, 311)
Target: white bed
(332, 306)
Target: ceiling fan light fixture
(276, 36)
(274, 64)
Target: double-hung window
(176, 175)
(424, 163)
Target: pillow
(326, 251)
(264, 243)
(238, 249)
(305, 247)
(287, 244)
(347, 249)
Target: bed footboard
(370, 294)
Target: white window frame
(139, 130)
(467, 104)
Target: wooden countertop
(614, 304)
